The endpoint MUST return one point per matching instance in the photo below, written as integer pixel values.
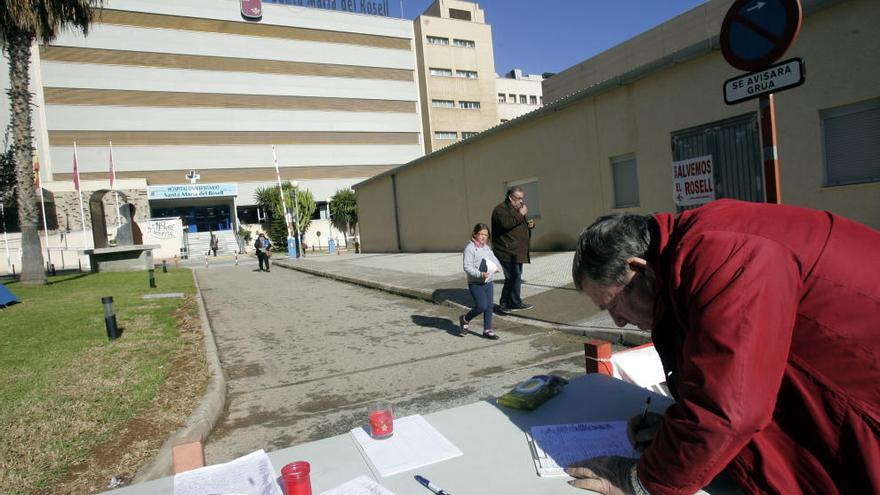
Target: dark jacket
(262, 247)
(766, 323)
(510, 234)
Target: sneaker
(521, 307)
(489, 334)
(502, 309)
(463, 324)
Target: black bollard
(152, 278)
(110, 318)
(164, 267)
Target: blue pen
(431, 486)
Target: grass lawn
(64, 387)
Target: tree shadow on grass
(68, 279)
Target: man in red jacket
(766, 319)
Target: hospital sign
(182, 191)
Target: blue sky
(551, 35)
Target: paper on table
(361, 485)
(415, 443)
(556, 446)
(252, 474)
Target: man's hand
(485, 275)
(642, 434)
(606, 475)
(523, 210)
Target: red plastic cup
(296, 478)
(381, 420)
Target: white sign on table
(692, 181)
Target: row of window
(446, 135)
(467, 105)
(523, 99)
(465, 74)
(437, 40)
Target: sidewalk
(439, 278)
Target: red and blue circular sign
(756, 33)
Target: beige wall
(479, 59)
(568, 147)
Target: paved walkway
(439, 277)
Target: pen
(431, 486)
(645, 412)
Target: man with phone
(511, 232)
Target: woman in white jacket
(480, 265)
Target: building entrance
(201, 218)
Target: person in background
(511, 232)
(480, 264)
(765, 320)
(261, 246)
(215, 243)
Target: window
(464, 15)
(436, 40)
(851, 139)
(443, 103)
(533, 100)
(469, 105)
(626, 181)
(440, 72)
(512, 98)
(505, 120)
(522, 99)
(467, 74)
(530, 189)
(502, 98)
(321, 211)
(465, 134)
(464, 43)
(445, 135)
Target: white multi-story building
(518, 94)
(181, 86)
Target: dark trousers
(510, 297)
(263, 259)
(483, 297)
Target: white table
(496, 459)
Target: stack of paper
(415, 443)
(252, 474)
(556, 446)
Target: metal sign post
(754, 34)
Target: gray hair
(604, 247)
(513, 189)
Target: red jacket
(768, 325)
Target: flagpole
(82, 212)
(281, 192)
(42, 206)
(113, 186)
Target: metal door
(735, 146)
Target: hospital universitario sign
(180, 191)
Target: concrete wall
(568, 146)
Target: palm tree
(268, 199)
(22, 23)
(343, 211)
